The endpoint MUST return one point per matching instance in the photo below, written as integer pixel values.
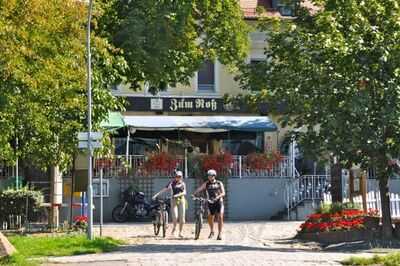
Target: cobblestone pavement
(244, 243)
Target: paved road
(244, 243)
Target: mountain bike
(160, 219)
(199, 217)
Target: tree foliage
(338, 73)
(165, 42)
(43, 79)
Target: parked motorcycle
(134, 205)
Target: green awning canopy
(114, 121)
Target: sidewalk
(244, 243)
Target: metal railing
(133, 166)
(241, 169)
(306, 187)
(6, 171)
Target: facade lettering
(180, 104)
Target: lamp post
(89, 121)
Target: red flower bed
(341, 221)
(220, 162)
(263, 161)
(160, 162)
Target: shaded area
(377, 245)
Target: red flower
(220, 162)
(263, 161)
(80, 219)
(373, 212)
(345, 220)
(160, 161)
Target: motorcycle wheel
(119, 217)
(165, 223)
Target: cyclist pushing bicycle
(215, 193)
(178, 201)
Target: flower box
(334, 237)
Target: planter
(371, 222)
(335, 237)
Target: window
(255, 61)
(96, 188)
(206, 77)
(116, 88)
(285, 7)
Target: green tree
(337, 71)
(43, 79)
(165, 42)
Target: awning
(114, 121)
(201, 123)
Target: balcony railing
(132, 166)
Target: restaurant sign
(182, 104)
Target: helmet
(212, 172)
(179, 173)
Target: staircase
(302, 195)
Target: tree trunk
(387, 230)
(336, 183)
(55, 196)
(351, 185)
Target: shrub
(163, 162)
(337, 207)
(263, 161)
(19, 202)
(221, 162)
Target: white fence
(374, 202)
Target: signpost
(89, 121)
(90, 141)
(101, 202)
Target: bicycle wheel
(198, 226)
(164, 223)
(157, 224)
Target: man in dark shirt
(215, 193)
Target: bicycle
(199, 217)
(160, 219)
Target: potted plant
(221, 162)
(263, 161)
(160, 163)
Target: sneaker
(211, 235)
(219, 237)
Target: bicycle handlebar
(199, 199)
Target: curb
(6, 248)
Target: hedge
(20, 202)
